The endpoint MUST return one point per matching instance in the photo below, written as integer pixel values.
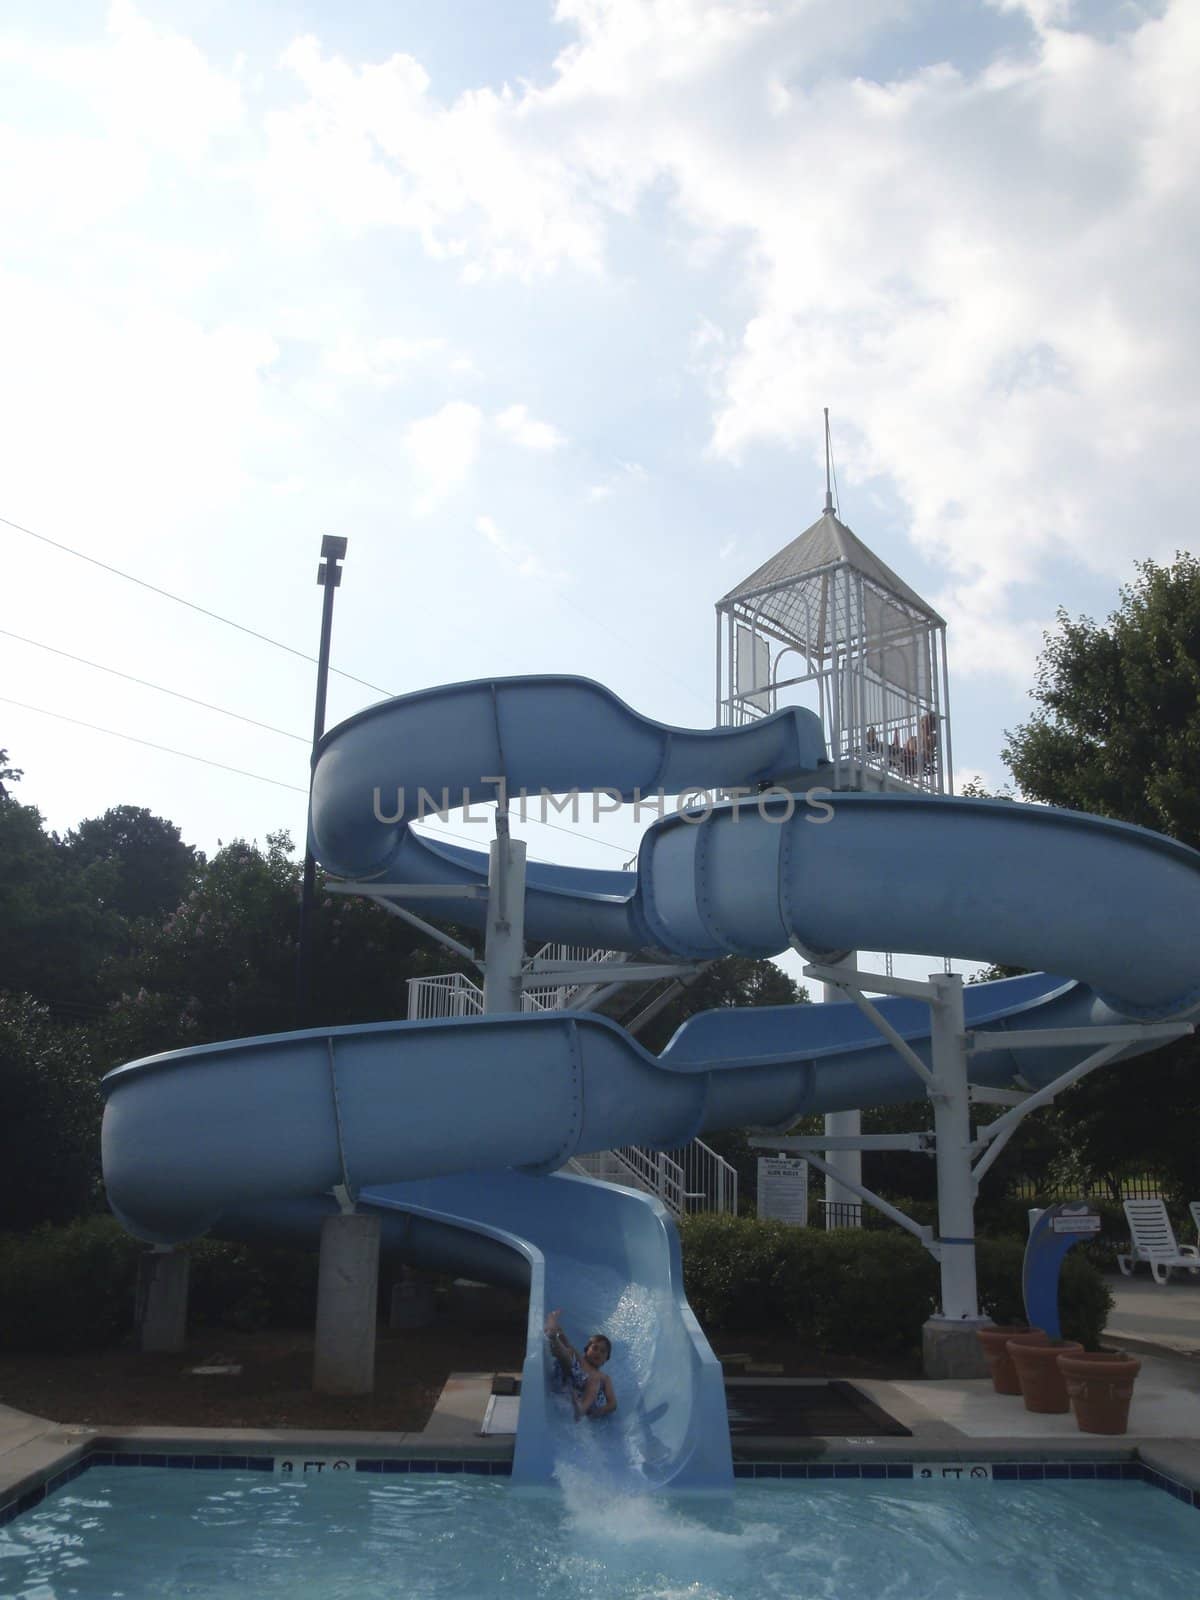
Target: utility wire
(241, 772)
(147, 684)
(191, 604)
(216, 617)
(150, 745)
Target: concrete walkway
(1159, 1316)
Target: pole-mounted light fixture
(329, 576)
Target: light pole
(329, 576)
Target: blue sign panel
(1052, 1235)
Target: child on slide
(591, 1390)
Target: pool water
(134, 1532)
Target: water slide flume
(198, 1140)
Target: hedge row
(858, 1292)
(73, 1287)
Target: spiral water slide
(455, 1130)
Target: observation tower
(826, 624)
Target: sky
(538, 304)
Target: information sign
(783, 1189)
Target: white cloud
(478, 181)
(381, 362)
(516, 424)
(442, 449)
(625, 473)
(988, 275)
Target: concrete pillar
(949, 1346)
(162, 1298)
(846, 1163)
(347, 1292)
(504, 947)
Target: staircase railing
(453, 994)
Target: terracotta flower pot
(1099, 1387)
(1042, 1384)
(995, 1350)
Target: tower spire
(828, 489)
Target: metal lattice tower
(824, 623)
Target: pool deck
(953, 1420)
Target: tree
(55, 931)
(12, 774)
(152, 868)
(50, 1129)
(222, 964)
(1117, 732)
(1117, 729)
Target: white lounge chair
(1154, 1242)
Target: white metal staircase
(694, 1178)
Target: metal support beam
(920, 1231)
(425, 927)
(548, 975)
(919, 1143)
(1047, 1038)
(998, 1133)
(660, 1002)
(411, 891)
(877, 982)
(997, 1097)
(901, 1046)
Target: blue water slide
(609, 1257)
(490, 1108)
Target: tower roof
(828, 543)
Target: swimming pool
(137, 1532)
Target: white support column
(950, 1347)
(504, 952)
(845, 1164)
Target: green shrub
(74, 1287)
(1084, 1299)
(732, 1269)
(858, 1292)
(67, 1288)
(251, 1286)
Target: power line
(147, 684)
(241, 772)
(150, 745)
(191, 604)
(216, 617)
